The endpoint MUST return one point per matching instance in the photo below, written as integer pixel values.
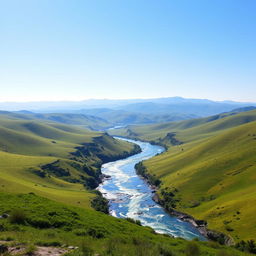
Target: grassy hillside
(212, 173)
(124, 117)
(34, 220)
(80, 120)
(57, 161)
(207, 124)
(49, 160)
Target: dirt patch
(50, 251)
(40, 250)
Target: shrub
(96, 233)
(80, 232)
(248, 246)
(228, 228)
(40, 223)
(48, 243)
(99, 203)
(18, 216)
(192, 249)
(251, 246)
(134, 221)
(2, 227)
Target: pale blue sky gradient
(74, 50)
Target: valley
(207, 172)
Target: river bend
(130, 196)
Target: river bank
(130, 196)
(200, 225)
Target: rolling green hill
(207, 124)
(80, 120)
(47, 171)
(34, 220)
(57, 161)
(123, 117)
(210, 170)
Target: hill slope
(43, 222)
(211, 170)
(54, 160)
(80, 120)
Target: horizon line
(119, 99)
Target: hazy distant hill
(63, 106)
(101, 114)
(84, 121)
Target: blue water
(130, 196)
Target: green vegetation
(142, 171)
(211, 172)
(57, 161)
(79, 120)
(49, 223)
(99, 203)
(47, 173)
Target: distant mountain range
(129, 111)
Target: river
(130, 196)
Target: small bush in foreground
(18, 216)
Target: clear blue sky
(73, 50)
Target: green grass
(35, 220)
(45, 161)
(213, 170)
(188, 129)
(79, 120)
(27, 145)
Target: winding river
(130, 196)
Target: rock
(3, 248)
(220, 237)
(71, 247)
(156, 198)
(201, 223)
(5, 215)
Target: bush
(134, 221)
(228, 228)
(192, 249)
(18, 216)
(96, 233)
(40, 223)
(247, 246)
(2, 227)
(49, 243)
(80, 232)
(99, 203)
